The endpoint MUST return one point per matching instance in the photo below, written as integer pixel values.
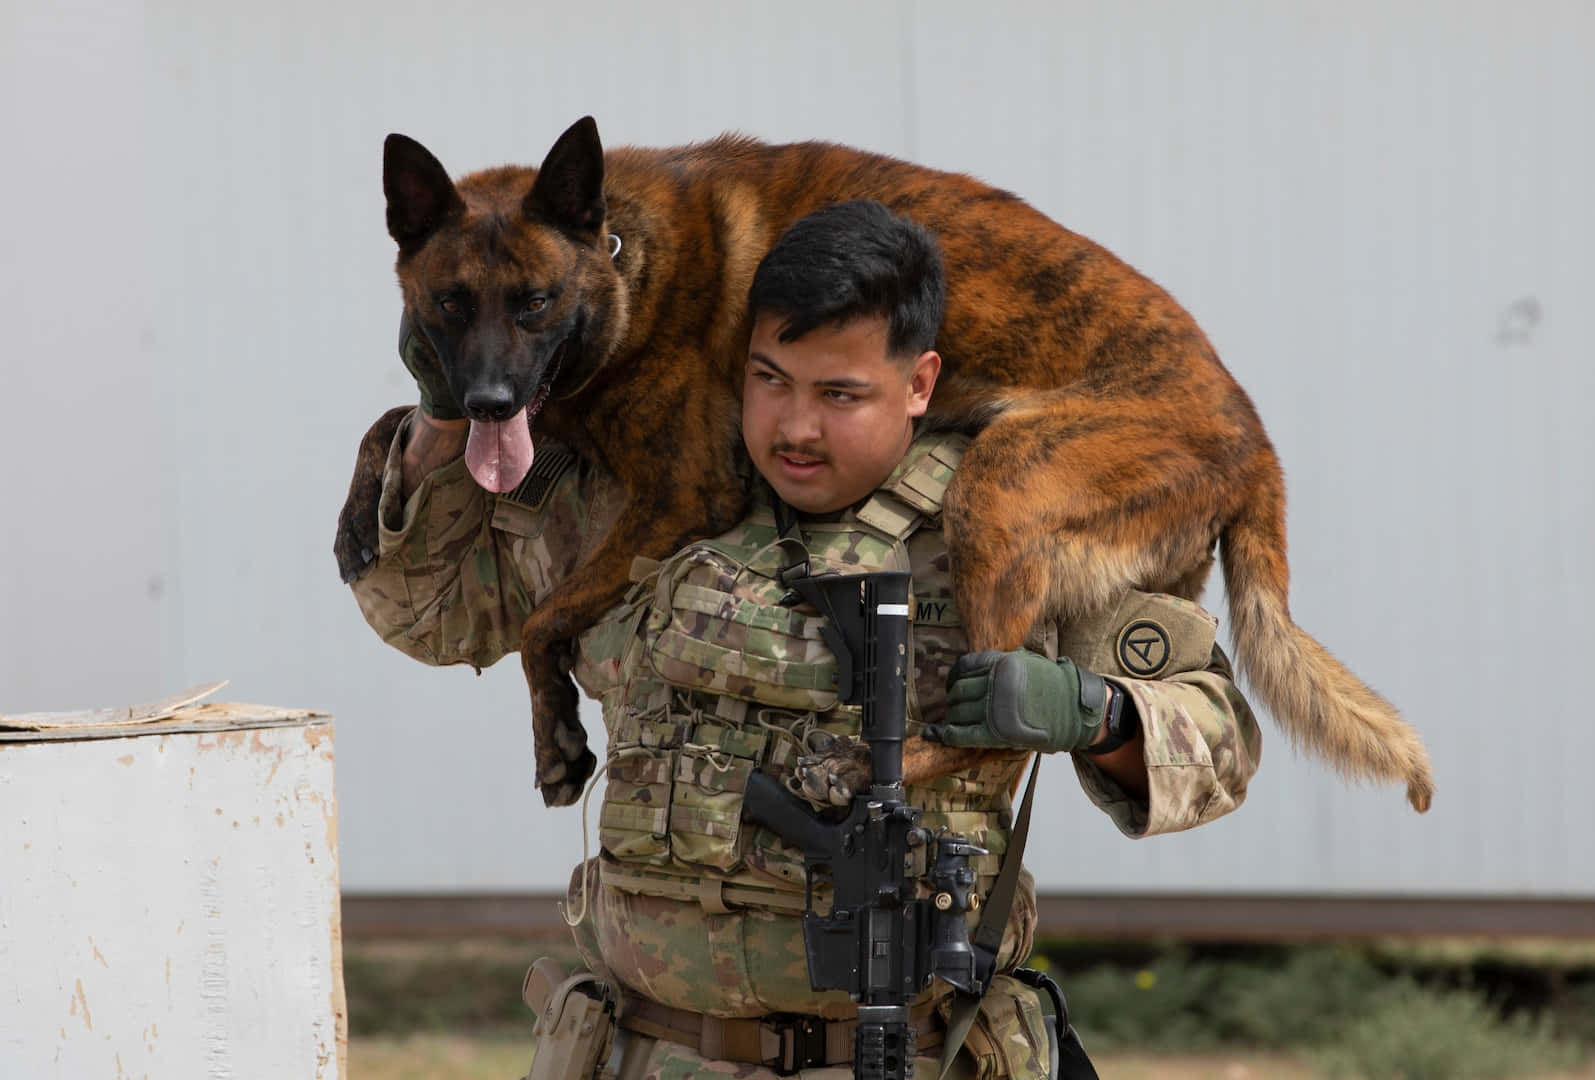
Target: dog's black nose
(490, 403)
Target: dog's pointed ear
(421, 197)
(569, 190)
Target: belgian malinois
(601, 299)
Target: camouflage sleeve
(458, 570)
(1202, 747)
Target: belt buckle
(802, 1043)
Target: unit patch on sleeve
(1144, 649)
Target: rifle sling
(988, 935)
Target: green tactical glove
(437, 400)
(1021, 699)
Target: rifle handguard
(879, 941)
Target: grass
(486, 1057)
(435, 1056)
(459, 1057)
(399, 987)
(1388, 1011)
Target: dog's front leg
(558, 739)
(355, 545)
(653, 528)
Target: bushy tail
(1319, 703)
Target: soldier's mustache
(799, 451)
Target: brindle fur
(356, 543)
(1113, 450)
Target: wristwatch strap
(1123, 725)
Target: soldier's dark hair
(854, 260)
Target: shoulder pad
(914, 490)
(1146, 636)
(921, 478)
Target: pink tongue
(499, 454)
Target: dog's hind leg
(1063, 502)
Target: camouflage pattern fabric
(705, 676)
(1202, 747)
(458, 570)
(1008, 1039)
(678, 955)
(655, 1059)
(745, 961)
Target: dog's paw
(355, 545)
(840, 770)
(564, 763)
(561, 784)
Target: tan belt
(716, 896)
(786, 1042)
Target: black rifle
(879, 941)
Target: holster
(575, 1026)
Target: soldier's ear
(569, 190)
(421, 197)
(922, 381)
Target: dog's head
(510, 276)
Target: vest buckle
(802, 1042)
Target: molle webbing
(914, 491)
(709, 671)
(716, 895)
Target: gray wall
(1379, 212)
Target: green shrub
(1574, 1010)
(1417, 1034)
(1361, 1020)
(1309, 999)
(1156, 1007)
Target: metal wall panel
(1374, 210)
(1379, 212)
(81, 574)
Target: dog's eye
(536, 304)
(451, 306)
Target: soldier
(704, 674)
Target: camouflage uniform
(703, 677)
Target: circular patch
(1144, 649)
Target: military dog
(601, 299)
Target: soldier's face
(827, 417)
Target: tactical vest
(704, 675)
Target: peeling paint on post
(169, 894)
